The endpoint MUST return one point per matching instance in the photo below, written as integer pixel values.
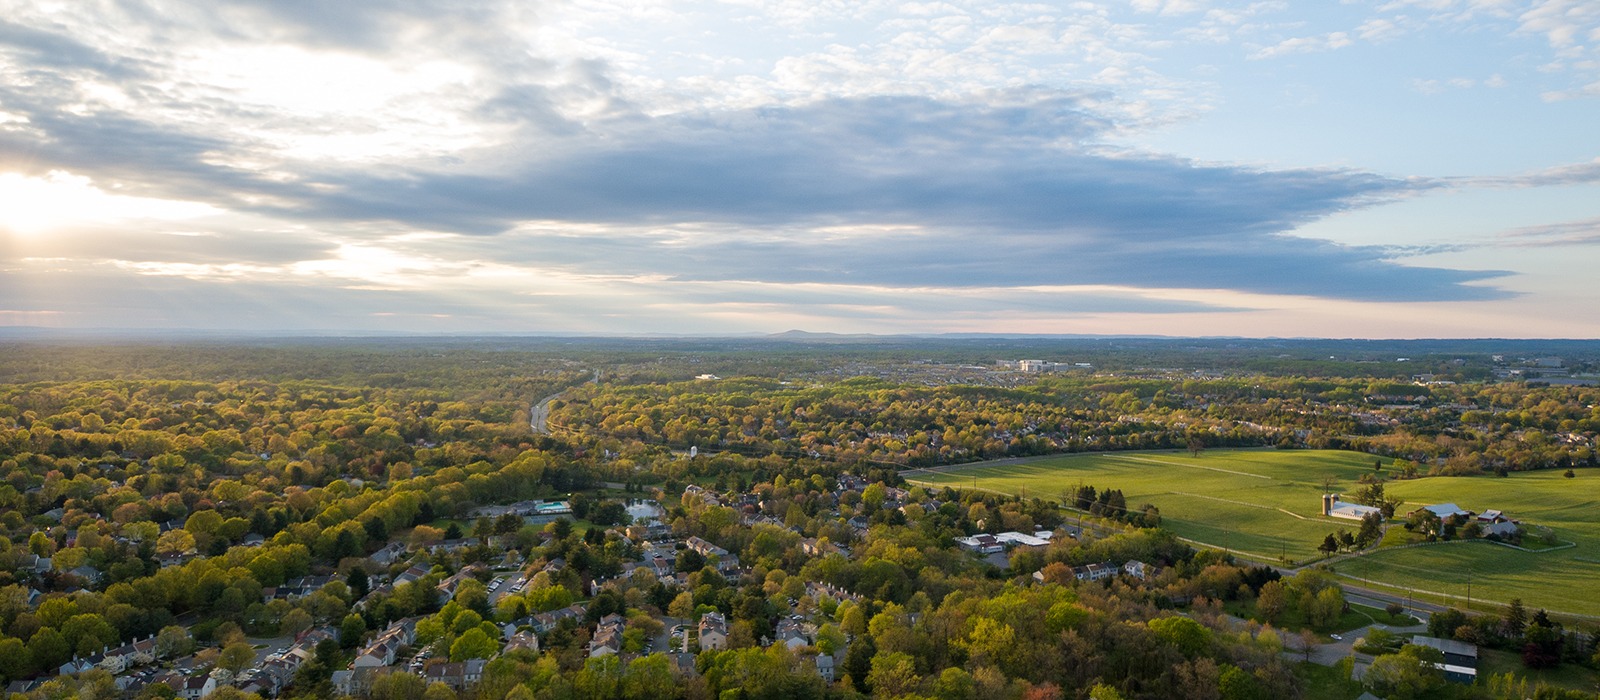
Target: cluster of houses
(393, 649)
(132, 668)
(1489, 522)
(607, 637)
(1095, 572)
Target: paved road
(539, 413)
(1330, 653)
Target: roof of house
(1445, 510)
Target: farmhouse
(1494, 522)
(1335, 508)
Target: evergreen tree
(1329, 544)
(1515, 619)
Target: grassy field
(1493, 662)
(1266, 504)
(1559, 579)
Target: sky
(1352, 168)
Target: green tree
(682, 606)
(235, 657)
(1329, 545)
(397, 686)
(1272, 600)
(1102, 691)
(13, 659)
(351, 630)
(473, 644)
(1326, 608)
(1407, 675)
(893, 674)
(48, 649)
(1515, 619)
(173, 641)
(955, 684)
(1188, 636)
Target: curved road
(539, 413)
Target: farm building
(1460, 659)
(1495, 522)
(1333, 507)
(1446, 510)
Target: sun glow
(31, 205)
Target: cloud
(1562, 175)
(1305, 44)
(1563, 23)
(954, 148)
(51, 50)
(1570, 233)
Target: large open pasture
(1565, 579)
(1267, 504)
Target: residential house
(1494, 522)
(790, 634)
(546, 621)
(727, 562)
(713, 631)
(390, 554)
(412, 574)
(386, 646)
(816, 548)
(459, 676)
(1138, 569)
(193, 687)
(1095, 572)
(825, 667)
(343, 682)
(607, 637)
(139, 652)
(523, 640)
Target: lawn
(1493, 662)
(1293, 619)
(1383, 617)
(1326, 682)
(1266, 504)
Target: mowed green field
(1267, 503)
(1562, 579)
